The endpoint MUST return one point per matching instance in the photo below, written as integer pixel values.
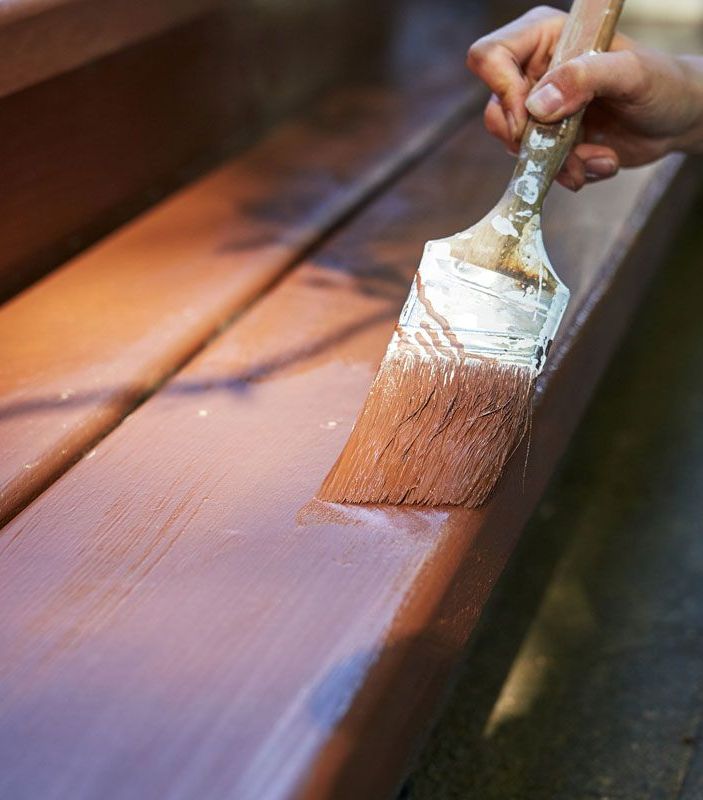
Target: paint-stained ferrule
(458, 309)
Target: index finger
(511, 58)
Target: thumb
(569, 87)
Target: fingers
(498, 124)
(599, 161)
(618, 75)
(571, 86)
(511, 58)
(588, 163)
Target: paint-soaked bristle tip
(433, 431)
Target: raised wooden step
(181, 620)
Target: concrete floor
(586, 677)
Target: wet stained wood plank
(180, 619)
(83, 346)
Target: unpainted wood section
(80, 348)
(85, 151)
(180, 619)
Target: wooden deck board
(181, 621)
(84, 345)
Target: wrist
(690, 140)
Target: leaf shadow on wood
(238, 382)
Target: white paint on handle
(504, 226)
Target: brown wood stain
(81, 348)
(179, 620)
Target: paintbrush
(453, 396)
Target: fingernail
(601, 167)
(547, 100)
(512, 125)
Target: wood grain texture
(80, 348)
(180, 621)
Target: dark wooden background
(86, 150)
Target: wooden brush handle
(589, 27)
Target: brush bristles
(433, 431)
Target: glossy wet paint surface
(586, 678)
(83, 347)
(179, 622)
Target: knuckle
(574, 77)
(631, 59)
(479, 51)
(544, 11)
(635, 67)
(490, 121)
(486, 55)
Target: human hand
(645, 103)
